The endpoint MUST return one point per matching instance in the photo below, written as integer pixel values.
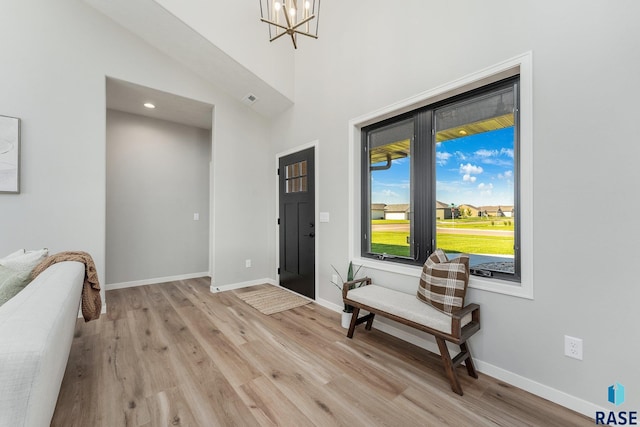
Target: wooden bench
(408, 310)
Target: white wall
(236, 29)
(244, 217)
(157, 178)
(55, 60)
(371, 55)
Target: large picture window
(446, 176)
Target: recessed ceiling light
(149, 105)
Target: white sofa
(36, 331)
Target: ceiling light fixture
(149, 105)
(291, 17)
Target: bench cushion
(405, 306)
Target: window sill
(504, 287)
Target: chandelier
(290, 18)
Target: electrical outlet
(573, 347)
(247, 263)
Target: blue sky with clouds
(475, 170)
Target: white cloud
(442, 157)
(469, 178)
(400, 184)
(506, 175)
(485, 189)
(486, 153)
(470, 169)
(507, 151)
(461, 155)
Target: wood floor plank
(154, 348)
(122, 367)
(435, 408)
(318, 403)
(219, 347)
(270, 406)
(170, 408)
(177, 354)
(176, 296)
(116, 307)
(210, 392)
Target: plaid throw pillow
(443, 283)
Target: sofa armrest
(36, 331)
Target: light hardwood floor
(176, 354)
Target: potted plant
(347, 312)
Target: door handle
(312, 234)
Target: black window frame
(423, 181)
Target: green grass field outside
(478, 223)
(471, 223)
(390, 242)
(395, 243)
(470, 244)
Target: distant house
(444, 211)
(400, 211)
(496, 211)
(469, 210)
(377, 210)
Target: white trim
(216, 289)
(330, 305)
(155, 280)
(212, 199)
(556, 396)
(523, 65)
(316, 174)
(574, 403)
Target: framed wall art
(9, 154)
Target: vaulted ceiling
(166, 32)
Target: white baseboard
(155, 280)
(231, 286)
(329, 305)
(556, 396)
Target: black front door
(297, 222)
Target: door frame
(315, 145)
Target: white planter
(346, 319)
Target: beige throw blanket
(91, 300)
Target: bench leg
(448, 366)
(354, 320)
(369, 322)
(471, 369)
